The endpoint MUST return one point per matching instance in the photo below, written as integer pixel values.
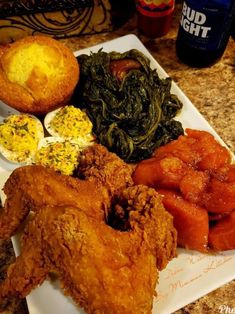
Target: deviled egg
(69, 122)
(19, 137)
(59, 154)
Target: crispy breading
(98, 164)
(103, 269)
(75, 232)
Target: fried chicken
(98, 164)
(31, 187)
(103, 269)
(104, 239)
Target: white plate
(190, 275)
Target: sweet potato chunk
(212, 154)
(199, 168)
(181, 148)
(193, 184)
(120, 68)
(146, 172)
(226, 173)
(216, 217)
(222, 234)
(164, 173)
(230, 176)
(190, 221)
(221, 197)
(198, 148)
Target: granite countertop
(212, 91)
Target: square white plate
(186, 278)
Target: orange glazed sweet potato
(198, 148)
(199, 170)
(220, 197)
(181, 148)
(190, 221)
(230, 175)
(120, 68)
(226, 173)
(164, 173)
(212, 154)
(193, 184)
(222, 234)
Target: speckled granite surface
(212, 90)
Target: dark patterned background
(20, 7)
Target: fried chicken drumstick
(74, 233)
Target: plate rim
(133, 38)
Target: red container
(154, 17)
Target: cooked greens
(132, 116)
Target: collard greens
(132, 116)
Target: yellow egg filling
(19, 134)
(61, 156)
(71, 122)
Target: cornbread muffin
(37, 74)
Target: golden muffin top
(37, 74)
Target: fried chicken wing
(105, 239)
(105, 270)
(31, 187)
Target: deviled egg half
(69, 122)
(59, 154)
(19, 137)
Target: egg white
(14, 156)
(46, 141)
(47, 122)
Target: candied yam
(212, 154)
(172, 169)
(199, 168)
(216, 217)
(214, 160)
(220, 197)
(119, 68)
(181, 148)
(230, 177)
(164, 173)
(193, 184)
(226, 173)
(198, 134)
(146, 172)
(197, 148)
(190, 221)
(222, 234)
